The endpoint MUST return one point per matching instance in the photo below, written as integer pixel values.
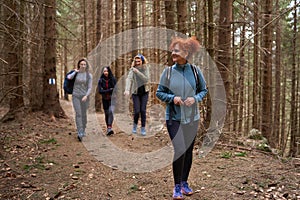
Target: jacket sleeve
(71, 75)
(90, 84)
(203, 90)
(101, 90)
(129, 80)
(163, 93)
(145, 77)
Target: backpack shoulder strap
(195, 72)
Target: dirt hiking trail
(42, 159)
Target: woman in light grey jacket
(81, 91)
(137, 84)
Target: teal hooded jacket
(182, 83)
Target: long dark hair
(110, 74)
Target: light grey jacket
(131, 82)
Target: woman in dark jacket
(106, 86)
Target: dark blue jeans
(183, 139)
(139, 106)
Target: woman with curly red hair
(182, 90)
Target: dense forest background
(255, 45)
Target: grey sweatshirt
(81, 87)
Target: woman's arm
(90, 83)
(71, 75)
(144, 76)
(202, 87)
(163, 93)
(129, 81)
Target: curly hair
(191, 45)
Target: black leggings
(183, 140)
(108, 111)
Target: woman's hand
(135, 70)
(189, 101)
(126, 93)
(178, 101)
(84, 99)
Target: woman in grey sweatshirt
(80, 96)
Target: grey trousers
(80, 108)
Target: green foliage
(240, 154)
(133, 188)
(226, 155)
(38, 164)
(49, 141)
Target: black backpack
(69, 83)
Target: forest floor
(42, 159)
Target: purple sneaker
(177, 194)
(185, 189)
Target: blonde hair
(139, 56)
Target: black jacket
(106, 85)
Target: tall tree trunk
(241, 75)
(85, 46)
(255, 121)
(224, 41)
(205, 24)
(51, 96)
(99, 37)
(98, 21)
(210, 48)
(65, 65)
(118, 26)
(13, 46)
(267, 72)
(92, 25)
(248, 96)
(156, 22)
(134, 25)
(233, 125)
(37, 57)
(182, 16)
(276, 123)
(295, 135)
(283, 131)
(170, 24)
